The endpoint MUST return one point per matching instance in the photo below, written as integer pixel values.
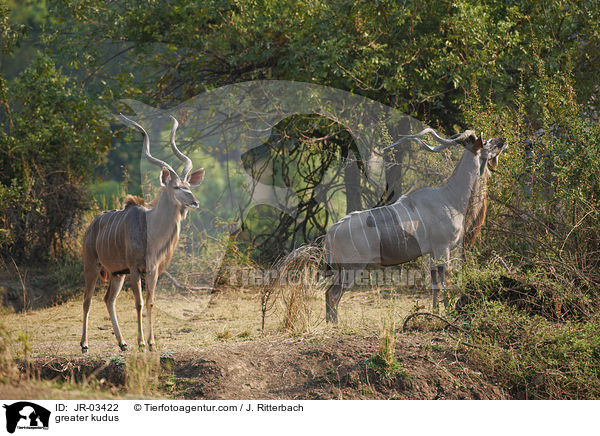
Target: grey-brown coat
(426, 221)
(138, 241)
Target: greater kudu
(426, 221)
(138, 241)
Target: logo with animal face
(26, 415)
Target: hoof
(141, 347)
(151, 347)
(123, 347)
(84, 349)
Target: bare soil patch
(283, 367)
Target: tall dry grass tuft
(141, 373)
(8, 368)
(13, 350)
(295, 287)
(387, 341)
(384, 360)
(296, 302)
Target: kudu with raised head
(426, 221)
(138, 241)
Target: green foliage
(535, 359)
(536, 337)
(544, 217)
(32, 13)
(419, 56)
(524, 70)
(53, 142)
(506, 68)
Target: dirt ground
(215, 349)
(282, 367)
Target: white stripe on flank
(107, 236)
(102, 232)
(351, 238)
(424, 226)
(412, 223)
(376, 228)
(363, 226)
(395, 227)
(118, 226)
(105, 216)
(338, 224)
(400, 221)
(398, 215)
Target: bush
(534, 358)
(53, 140)
(533, 290)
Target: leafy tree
(54, 140)
(455, 65)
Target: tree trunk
(352, 184)
(394, 171)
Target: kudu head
(177, 187)
(487, 151)
(491, 150)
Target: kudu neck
(461, 183)
(166, 213)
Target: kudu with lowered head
(138, 241)
(430, 220)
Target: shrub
(51, 145)
(534, 358)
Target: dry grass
(189, 322)
(142, 371)
(184, 323)
(8, 368)
(295, 289)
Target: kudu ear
(478, 143)
(196, 177)
(501, 145)
(498, 148)
(492, 163)
(165, 176)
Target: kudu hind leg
(332, 299)
(114, 287)
(342, 280)
(90, 274)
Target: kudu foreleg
(136, 286)
(151, 279)
(434, 287)
(438, 284)
(438, 275)
(442, 274)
